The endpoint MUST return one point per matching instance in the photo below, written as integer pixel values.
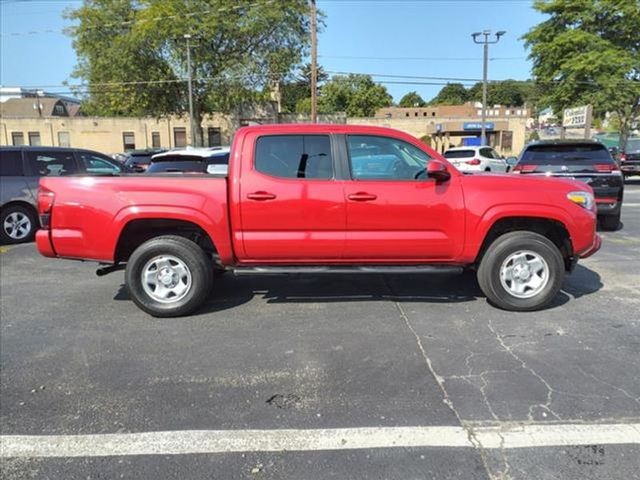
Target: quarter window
(45, 164)
(96, 164)
(10, 163)
(295, 156)
(385, 158)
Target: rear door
(395, 213)
(12, 181)
(48, 163)
(291, 206)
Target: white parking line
(226, 441)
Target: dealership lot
(308, 354)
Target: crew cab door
(291, 207)
(394, 212)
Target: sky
(410, 38)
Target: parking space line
(235, 441)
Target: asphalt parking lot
(272, 363)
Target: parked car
(476, 159)
(293, 202)
(588, 161)
(138, 160)
(20, 171)
(630, 158)
(190, 160)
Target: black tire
(193, 257)
(610, 222)
(499, 251)
(9, 234)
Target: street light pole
(190, 80)
(485, 69)
(314, 66)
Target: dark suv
(20, 172)
(585, 160)
(630, 158)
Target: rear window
(10, 163)
(179, 166)
(51, 164)
(459, 153)
(566, 154)
(294, 156)
(633, 145)
(219, 159)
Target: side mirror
(213, 169)
(512, 161)
(438, 171)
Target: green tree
(588, 52)
(504, 92)
(132, 53)
(412, 99)
(296, 90)
(357, 95)
(451, 94)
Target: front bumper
(597, 243)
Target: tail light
(606, 168)
(475, 161)
(524, 168)
(623, 157)
(45, 204)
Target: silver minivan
(20, 171)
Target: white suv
(476, 159)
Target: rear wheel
(610, 222)
(521, 271)
(169, 276)
(17, 224)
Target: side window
(385, 158)
(10, 163)
(45, 164)
(96, 164)
(295, 156)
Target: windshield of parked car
(459, 153)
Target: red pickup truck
(321, 199)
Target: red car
(322, 199)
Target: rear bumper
(43, 243)
(597, 243)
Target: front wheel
(169, 276)
(521, 271)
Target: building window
(17, 138)
(63, 139)
(407, 114)
(34, 139)
(416, 114)
(128, 141)
(424, 114)
(58, 110)
(433, 114)
(214, 136)
(179, 137)
(155, 139)
(507, 140)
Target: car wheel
(169, 276)
(610, 222)
(18, 224)
(521, 271)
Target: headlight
(584, 199)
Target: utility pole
(314, 65)
(192, 122)
(485, 69)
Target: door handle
(362, 197)
(261, 196)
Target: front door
(394, 212)
(292, 208)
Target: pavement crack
(509, 350)
(615, 387)
(471, 434)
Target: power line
(354, 57)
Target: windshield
(633, 145)
(459, 153)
